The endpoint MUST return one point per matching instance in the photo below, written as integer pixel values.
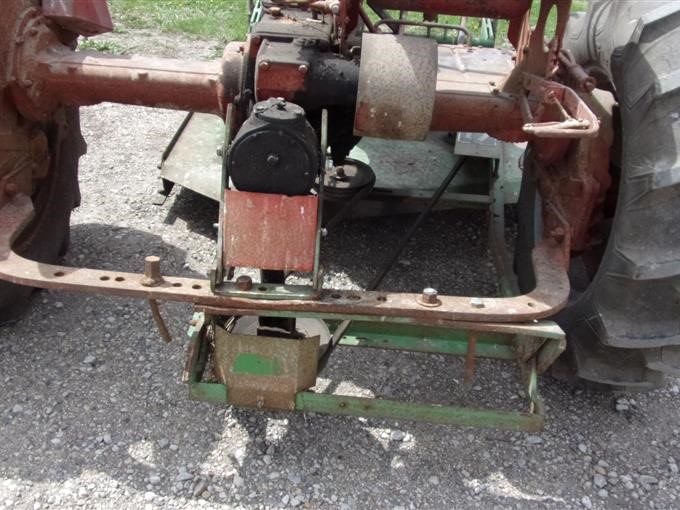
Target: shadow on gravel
(198, 212)
(103, 246)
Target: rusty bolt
(264, 65)
(429, 295)
(244, 282)
(11, 189)
(303, 69)
(152, 271)
(476, 302)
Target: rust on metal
(158, 319)
(264, 372)
(269, 231)
(575, 72)
(48, 73)
(574, 178)
(152, 272)
(86, 18)
(465, 99)
(549, 296)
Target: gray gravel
(93, 412)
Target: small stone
(622, 407)
(603, 493)
(174, 447)
(648, 479)
(163, 443)
(149, 496)
(59, 304)
(266, 459)
(599, 481)
(274, 475)
(82, 492)
(184, 476)
(583, 449)
(397, 435)
(17, 409)
(106, 438)
(534, 440)
(673, 468)
(296, 501)
(55, 441)
(89, 360)
(294, 479)
(433, 480)
(237, 481)
(585, 501)
(154, 479)
(200, 487)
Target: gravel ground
(93, 413)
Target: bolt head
(303, 69)
(264, 64)
(430, 296)
(476, 302)
(244, 282)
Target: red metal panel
(270, 231)
(86, 17)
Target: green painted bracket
(393, 409)
(532, 346)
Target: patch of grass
(226, 20)
(103, 46)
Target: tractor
(311, 120)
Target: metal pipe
(461, 110)
(83, 78)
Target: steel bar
(432, 413)
(546, 299)
(454, 346)
(158, 319)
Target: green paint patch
(255, 364)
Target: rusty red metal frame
(550, 294)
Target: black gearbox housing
(275, 151)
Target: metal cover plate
(265, 372)
(397, 82)
(193, 162)
(268, 231)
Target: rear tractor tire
(623, 317)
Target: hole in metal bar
(119, 279)
(176, 284)
(104, 278)
(59, 273)
(195, 286)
